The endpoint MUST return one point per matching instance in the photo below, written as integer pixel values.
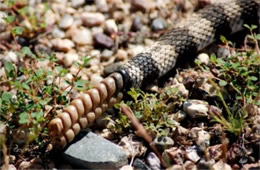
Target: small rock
(66, 21)
(196, 108)
(106, 54)
(25, 165)
(103, 41)
(140, 165)
(95, 152)
(77, 3)
(63, 45)
(132, 147)
(112, 68)
(121, 55)
(158, 24)
(215, 151)
(101, 5)
(203, 58)
(82, 36)
(162, 143)
(137, 24)
(107, 134)
(50, 17)
(95, 79)
(182, 91)
(143, 5)
(202, 137)
(176, 167)
(11, 57)
(221, 165)
(203, 164)
(110, 26)
(179, 116)
(173, 155)
(70, 58)
(191, 154)
(10, 167)
(189, 165)
(92, 19)
(41, 49)
(153, 161)
(251, 166)
(127, 167)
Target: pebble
(158, 24)
(221, 165)
(142, 5)
(127, 167)
(103, 41)
(92, 19)
(3, 24)
(11, 57)
(106, 54)
(132, 147)
(63, 45)
(203, 164)
(70, 58)
(137, 24)
(110, 26)
(121, 55)
(94, 152)
(202, 137)
(50, 17)
(196, 108)
(57, 33)
(140, 165)
(82, 36)
(153, 161)
(162, 143)
(191, 154)
(101, 5)
(95, 79)
(66, 21)
(77, 3)
(173, 155)
(203, 58)
(112, 68)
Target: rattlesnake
(187, 37)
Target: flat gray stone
(95, 152)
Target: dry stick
(140, 130)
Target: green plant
(238, 76)
(152, 110)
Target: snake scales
(185, 38)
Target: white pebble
(196, 108)
(110, 26)
(203, 58)
(70, 58)
(83, 37)
(66, 21)
(63, 45)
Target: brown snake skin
(186, 38)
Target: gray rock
(153, 161)
(57, 33)
(66, 21)
(196, 108)
(163, 142)
(77, 3)
(137, 24)
(158, 24)
(140, 165)
(112, 68)
(103, 41)
(95, 152)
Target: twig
(140, 130)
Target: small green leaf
(17, 30)
(222, 83)
(253, 78)
(25, 86)
(9, 19)
(26, 51)
(6, 97)
(9, 69)
(23, 118)
(39, 73)
(258, 36)
(213, 58)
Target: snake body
(186, 38)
